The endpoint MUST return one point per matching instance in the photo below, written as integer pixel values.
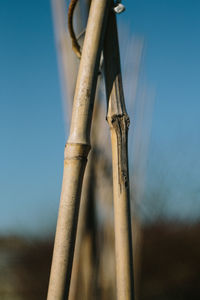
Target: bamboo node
(76, 151)
(123, 119)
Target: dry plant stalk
(76, 152)
(119, 122)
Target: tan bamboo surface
(119, 122)
(68, 67)
(76, 151)
(86, 276)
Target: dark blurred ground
(170, 262)
(169, 265)
(24, 268)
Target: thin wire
(75, 45)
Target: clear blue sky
(172, 61)
(31, 118)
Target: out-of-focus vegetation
(168, 266)
(24, 268)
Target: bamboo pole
(76, 151)
(119, 122)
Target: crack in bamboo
(120, 123)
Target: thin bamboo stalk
(76, 152)
(86, 229)
(119, 122)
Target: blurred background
(161, 71)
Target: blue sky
(172, 47)
(31, 118)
